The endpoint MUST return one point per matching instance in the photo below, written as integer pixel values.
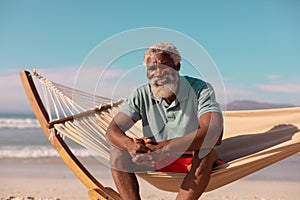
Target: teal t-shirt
(162, 121)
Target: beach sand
(51, 179)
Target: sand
(50, 179)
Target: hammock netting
(252, 139)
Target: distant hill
(253, 105)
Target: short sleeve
(131, 106)
(207, 101)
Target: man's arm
(115, 134)
(210, 132)
(207, 136)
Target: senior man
(182, 122)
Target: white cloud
(69, 75)
(62, 75)
(292, 88)
(273, 76)
(13, 98)
(12, 93)
(238, 92)
(117, 83)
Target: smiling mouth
(161, 81)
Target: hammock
(252, 139)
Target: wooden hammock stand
(96, 191)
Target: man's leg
(122, 170)
(198, 177)
(126, 184)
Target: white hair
(162, 47)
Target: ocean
(22, 137)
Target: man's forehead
(159, 58)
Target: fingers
(139, 146)
(138, 141)
(143, 159)
(147, 141)
(140, 156)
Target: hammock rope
(89, 130)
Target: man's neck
(170, 99)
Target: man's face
(162, 74)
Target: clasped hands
(145, 152)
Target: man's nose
(158, 71)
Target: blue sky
(254, 44)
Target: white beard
(166, 90)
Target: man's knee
(205, 162)
(120, 159)
(212, 156)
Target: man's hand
(149, 153)
(155, 146)
(139, 146)
(140, 153)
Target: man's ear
(178, 67)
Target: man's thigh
(122, 160)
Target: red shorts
(179, 165)
(170, 164)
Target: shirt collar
(184, 88)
